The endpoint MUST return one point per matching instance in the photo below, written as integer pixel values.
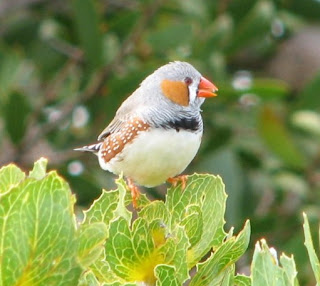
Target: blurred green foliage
(65, 67)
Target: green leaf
(226, 163)
(290, 270)
(103, 272)
(171, 243)
(192, 209)
(217, 267)
(155, 210)
(94, 229)
(276, 136)
(103, 209)
(193, 223)
(10, 176)
(176, 253)
(110, 205)
(166, 276)
(38, 243)
(132, 254)
(16, 112)
(170, 37)
(266, 270)
(88, 279)
(227, 277)
(124, 199)
(242, 280)
(219, 32)
(87, 26)
(10, 66)
(91, 242)
(256, 23)
(39, 169)
(207, 193)
(314, 260)
(309, 95)
(263, 267)
(119, 284)
(267, 88)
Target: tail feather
(94, 148)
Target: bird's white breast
(155, 155)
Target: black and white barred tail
(94, 148)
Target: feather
(94, 148)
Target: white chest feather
(155, 155)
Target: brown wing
(114, 126)
(114, 142)
(123, 115)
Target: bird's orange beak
(206, 88)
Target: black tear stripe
(189, 124)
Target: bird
(157, 130)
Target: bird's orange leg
(135, 193)
(175, 180)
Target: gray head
(174, 91)
(178, 83)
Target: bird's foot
(175, 180)
(135, 193)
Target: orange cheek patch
(176, 91)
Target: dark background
(66, 66)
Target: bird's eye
(188, 80)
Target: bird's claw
(135, 193)
(175, 180)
